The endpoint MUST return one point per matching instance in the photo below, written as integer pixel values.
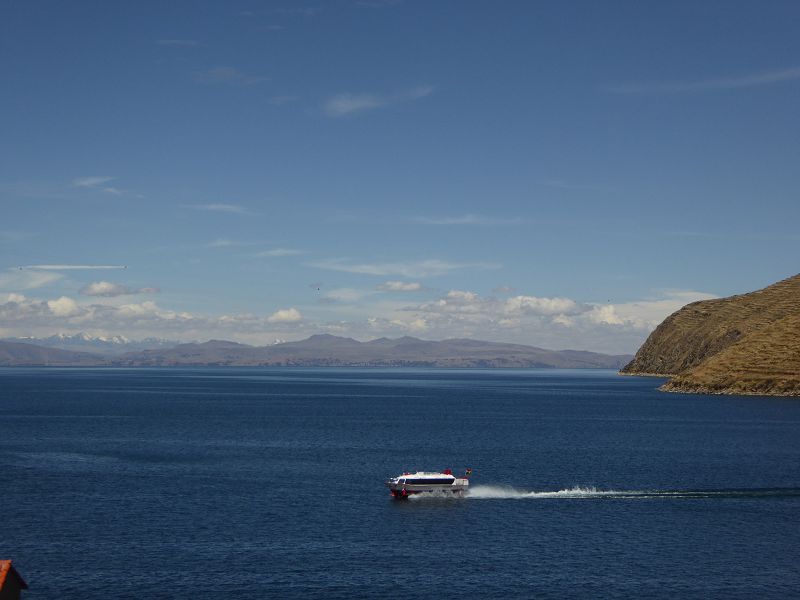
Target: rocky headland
(744, 344)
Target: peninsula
(744, 344)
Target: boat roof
(428, 474)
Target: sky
(561, 174)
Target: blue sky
(562, 174)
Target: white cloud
(105, 288)
(346, 104)
(531, 305)
(549, 322)
(400, 286)
(647, 314)
(109, 290)
(97, 183)
(605, 315)
(643, 315)
(720, 83)
(285, 315)
(22, 316)
(413, 269)
(63, 307)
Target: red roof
(5, 568)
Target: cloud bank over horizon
(551, 322)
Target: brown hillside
(746, 344)
(767, 361)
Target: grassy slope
(743, 344)
(767, 361)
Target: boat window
(402, 481)
(447, 481)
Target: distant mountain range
(105, 346)
(745, 344)
(321, 351)
(15, 354)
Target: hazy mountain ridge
(744, 344)
(17, 354)
(329, 350)
(102, 345)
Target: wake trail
(490, 492)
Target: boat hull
(403, 492)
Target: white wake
(497, 492)
(493, 492)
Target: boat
(427, 482)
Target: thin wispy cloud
(469, 219)
(227, 76)
(227, 243)
(720, 83)
(278, 253)
(342, 105)
(70, 267)
(98, 183)
(400, 286)
(19, 280)
(219, 207)
(179, 43)
(444, 220)
(91, 182)
(346, 295)
(411, 269)
(108, 289)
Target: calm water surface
(262, 483)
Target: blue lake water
(262, 483)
